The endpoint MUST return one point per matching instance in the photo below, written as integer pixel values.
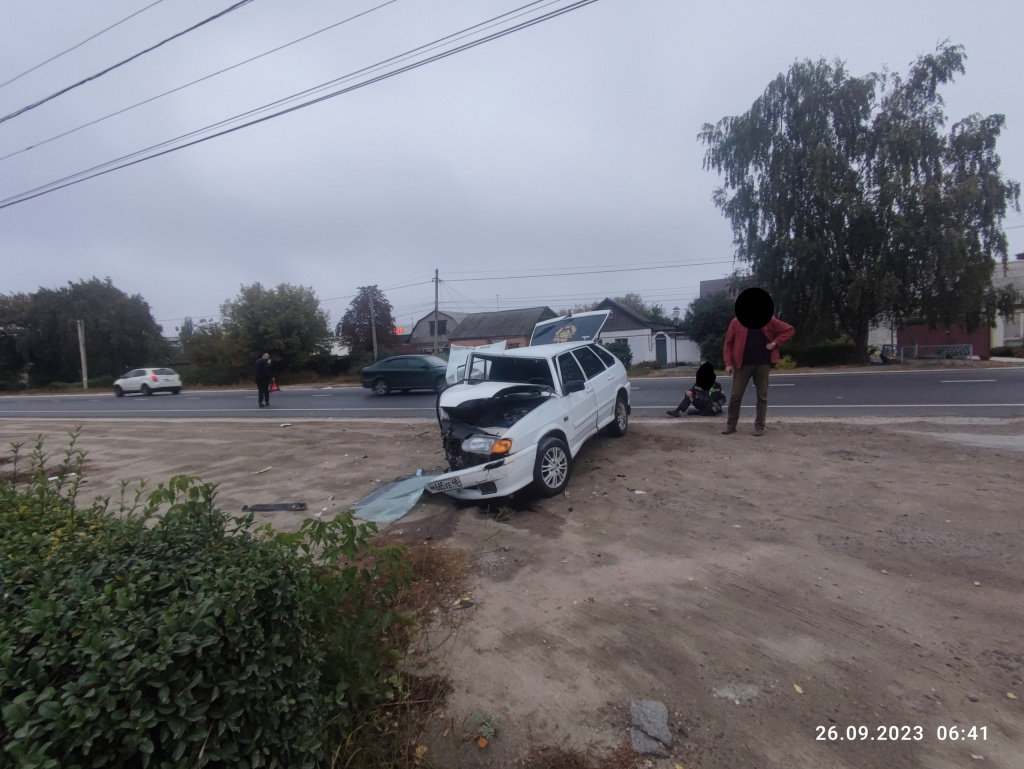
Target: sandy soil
(833, 573)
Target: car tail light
(153, 377)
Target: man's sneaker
(674, 413)
(729, 430)
(758, 431)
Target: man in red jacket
(751, 348)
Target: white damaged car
(518, 417)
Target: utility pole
(373, 322)
(81, 353)
(436, 327)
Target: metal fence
(936, 352)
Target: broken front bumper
(497, 478)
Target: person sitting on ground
(705, 396)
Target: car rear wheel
(145, 390)
(175, 390)
(617, 427)
(553, 467)
(118, 392)
(380, 387)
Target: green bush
(836, 352)
(101, 382)
(786, 363)
(214, 375)
(163, 633)
(620, 349)
(1007, 352)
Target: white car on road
(518, 417)
(148, 381)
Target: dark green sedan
(405, 373)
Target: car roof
(538, 350)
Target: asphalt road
(993, 392)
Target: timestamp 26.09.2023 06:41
(899, 733)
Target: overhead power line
(78, 45)
(194, 82)
(111, 68)
(154, 151)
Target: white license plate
(446, 485)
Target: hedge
(159, 632)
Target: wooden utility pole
(437, 328)
(373, 322)
(81, 353)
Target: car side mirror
(575, 386)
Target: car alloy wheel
(553, 467)
(380, 387)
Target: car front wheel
(617, 427)
(553, 467)
(440, 385)
(118, 392)
(380, 387)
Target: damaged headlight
(485, 444)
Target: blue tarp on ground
(393, 500)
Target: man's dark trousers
(740, 378)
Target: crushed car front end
(489, 434)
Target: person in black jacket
(263, 379)
(706, 396)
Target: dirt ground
(836, 573)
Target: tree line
(39, 343)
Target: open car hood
(462, 394)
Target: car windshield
(499, 368)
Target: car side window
(603, 354)
(135, 373)
(588, 359)
(569, 369)
(399, 364)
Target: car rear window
(592, 365)
(603, 354)
(164, 371)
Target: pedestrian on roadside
(705, 396)
(263, 379)
(751, 349)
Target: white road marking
(781, 385)
(958, 381)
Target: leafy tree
(355, 328)
(851, 202)
(120, 332)
(202, 343)
(13, 314)
(706, 321)
(651, 310)
(286, 321)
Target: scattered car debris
(274, 506)
(260, 472)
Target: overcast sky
(567, 147)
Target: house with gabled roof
(649, 341)
(430, 333)
(514, 327)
